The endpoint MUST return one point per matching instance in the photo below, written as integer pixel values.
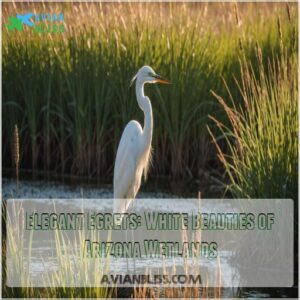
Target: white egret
(134, 151)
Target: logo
(39, 23)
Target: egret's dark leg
(132, 237)
(127, 262)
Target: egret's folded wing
(125, 167)
(123, 180)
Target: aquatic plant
(69, 92)
(261, 160)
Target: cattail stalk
(17, 153)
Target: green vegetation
(262, 141)
(65, 265)
(66, 100)
(54, 283)
(69, 94)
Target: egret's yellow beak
(161, 80)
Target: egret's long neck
(145, 105)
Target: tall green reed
(71, 265)
(70, 93)
(262, 139)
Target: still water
(52, 189)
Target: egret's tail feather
(148, 163)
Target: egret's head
(147, 75)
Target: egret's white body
(134, 151)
